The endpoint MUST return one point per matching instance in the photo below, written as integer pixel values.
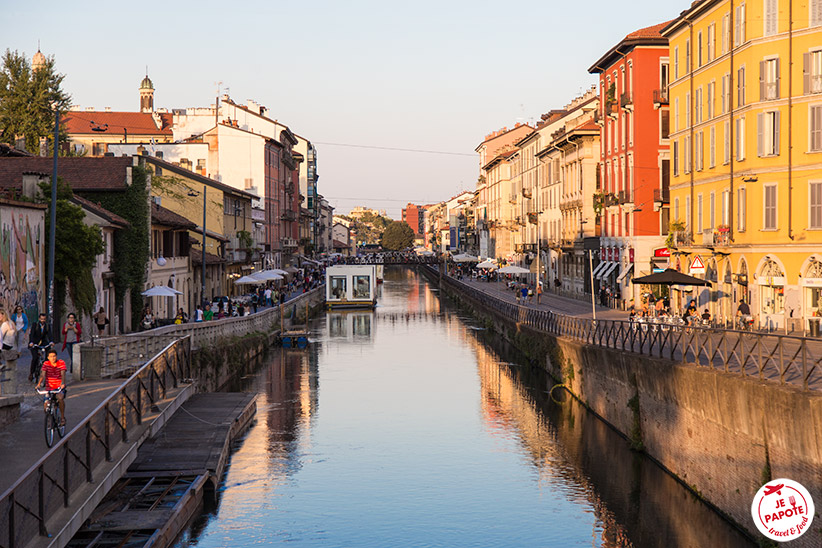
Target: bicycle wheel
(61, 428)
(49, 428)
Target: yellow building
(746, 149)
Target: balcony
(683, 238)
(612, 109)
(288, 215)
(662, 195)
(625, 197)
(626, 102)
(716, 238)
(512, 199)
(288, 242)
(526, 193)
(598, 118)
(289, 188)
(660, 97)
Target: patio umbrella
(465, 258)
(488, 265)
(247, 280)
(670, 277)
(161, 291)
(265, 276)
(514, 270)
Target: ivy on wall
(131, 246)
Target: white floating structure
(351, 286)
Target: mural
(22, 244)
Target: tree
(398, 235)
(76, 248)
(28, 99)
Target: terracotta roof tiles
(136, 123)
(89, 174)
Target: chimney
(20, 142)
(158, 120)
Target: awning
(625, 271)
(599, 267)
(607, 272)
(605, 266)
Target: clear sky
(425, 75)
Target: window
(664, 77)
(699, 50)
(712, 149)
(676, 61)
(739, 25)
(767, 124)
(698, 106)
(676, 209)
(712, 212)
(812, 71)
(740, 87)
(665, 115)
(726, 157)
(711, 98)
(740, 209)
(769, 80)
(676, 158)
(676, 113)
(362, 287)
(771, 17)
(815, 113)
(699, 212)
(740, 139)
(815, 201)
(816, 12)
(726, 93)
(711, 42)
(687, 56)
(338, 290)
(698, 151)
(726, 32)
(686, 154)
(726, 202)
(688, 212)
(769, 215)
(688, 110)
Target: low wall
(721, 435)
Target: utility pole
(53, 217)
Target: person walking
(40, 336)
(208, 314)
(539, 291)
(198, 314)
(100, 320)
(7, 339)
(21, 324)
(72, 334)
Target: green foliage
(28, 99)
(247, 243)
(76, 248)
(674, 227)
(398, 235)
(369, 228)
(131, 246)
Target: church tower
(38, 61)
(146, 95)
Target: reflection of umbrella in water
(161, 291)
(670, 277)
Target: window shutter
(806, 73)
(778, 76)
(762, 91)
(742, 24)
(776, 116)
(759, 134)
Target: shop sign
(631, 255)
(773, 281)
(662, 252)
(812, 282)
(602, 252)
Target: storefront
(771, 281)
(811, 284)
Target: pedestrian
(21, 324)
(539, 291)
(268, 301)
(240, 310)
(208, 314)
(524, 293)
(40, 336)
(148, 320)
(530, 295)
(100, 320)
(7, 338)
(254, 300)
(72, 334)
(181, 317)
(198, 314)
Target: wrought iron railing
(54, 481)
(785, 359)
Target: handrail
(786, 359)
(70, 464)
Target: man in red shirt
(53, 372)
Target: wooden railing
(126, 353)
(51, 483)
(785, 359)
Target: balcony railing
(526, 193)
(683, 238)
(715, 238)
(512, 199)
(288, 242)
(288, 215)
(625, 197)
(625, 101)
(612, 109)
(660, 97)
(662, 195)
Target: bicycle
(52, 419)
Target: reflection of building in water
(351, 326)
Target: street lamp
(53, 218)
(194, 193)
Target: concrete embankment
(721, 435)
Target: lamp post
(203, 276)
(53, 217)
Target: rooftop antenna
(217, 104)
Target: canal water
(412, 426)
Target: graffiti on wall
(21, 258)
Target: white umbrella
(266, 275)
(488, 265)
(279, 271)
(247, 280)
(514, 270)
(161, 291)
(465, 258)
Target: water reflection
(431, 433)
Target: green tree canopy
(398, 235)
(28, 99)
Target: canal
(412, 426)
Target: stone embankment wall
(721, 435)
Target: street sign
(697, 266)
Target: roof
(210, 234)
(6, 150)
(696, 9)
(197, 257)
(100, 211)
(500, 157)
(82, 174)
(166, 217)
(648, 36)
(196, 176)
(338, 244)
(116, 123)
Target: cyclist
(40, 336)
(53, 373)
